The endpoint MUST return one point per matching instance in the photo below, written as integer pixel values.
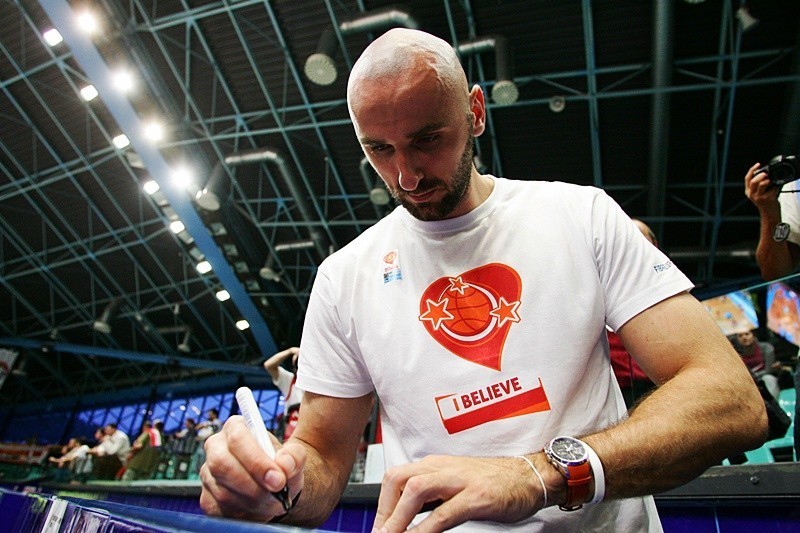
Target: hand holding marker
(249, 410)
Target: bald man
(476, 312)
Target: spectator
(476, 312)
(204, 430)
(778, 249)
(285, 381)
(74, 449)
(759, 357)
(111, 452)
(184, 445)
(632, 380)
(143, 457)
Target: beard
(454, 192)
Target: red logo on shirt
(470, 314)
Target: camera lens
(781, 174)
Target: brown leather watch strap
(578, 481)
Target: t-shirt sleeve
(790, 213)
(331, 363)
(284, 381)
(635, 275)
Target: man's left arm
(706, 407)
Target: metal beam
(92, 63)
(141, 357)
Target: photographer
(778, 251)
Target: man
(759, 357)
(111, 452)
(778, 249)
(476, 311)
(205, 429)
(632, 380)
(285, 381)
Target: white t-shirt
(117, 444)
(484, 334)
(790, 211)
(292, 394)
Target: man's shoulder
(551, 189)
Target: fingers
(420, 490)
(468, 488)
(238, 476)
(405, 490)
(758, 187)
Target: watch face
(569, 450)
(781, 232)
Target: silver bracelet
(538, 475)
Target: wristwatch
(571, 458)
(781, 232)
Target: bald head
(403, 55)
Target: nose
(408, 176)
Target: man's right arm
(271, 365)
(237, 476)
(775, 259)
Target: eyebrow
(425, 130)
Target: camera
(782, 169)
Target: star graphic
(505, 312)
(457, 285)
(437, 313)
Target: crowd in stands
(152, 455)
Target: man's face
(419, 140)
(109, 430)
(746, 338)
(452, 190)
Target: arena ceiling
(664, 104)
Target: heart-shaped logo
(470, 314)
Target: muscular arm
(707, 405)
(238, 476)
(330, 429)
(775, 259)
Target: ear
(477, 104)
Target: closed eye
(378, 148)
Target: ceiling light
(154, 131)
(87, 23)
(182, 178)
(379, 195)
(196, 253)
(242, 324)
(320, 69)
(505, 92)
(745, 18)
(223, 295)
(52, 37)
(176, 226)
(557, 104)
(121, 141)
(89, 93)
(203, 267)
(102, 324)
(150, 186)
(123, 81)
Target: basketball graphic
(470, 314)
